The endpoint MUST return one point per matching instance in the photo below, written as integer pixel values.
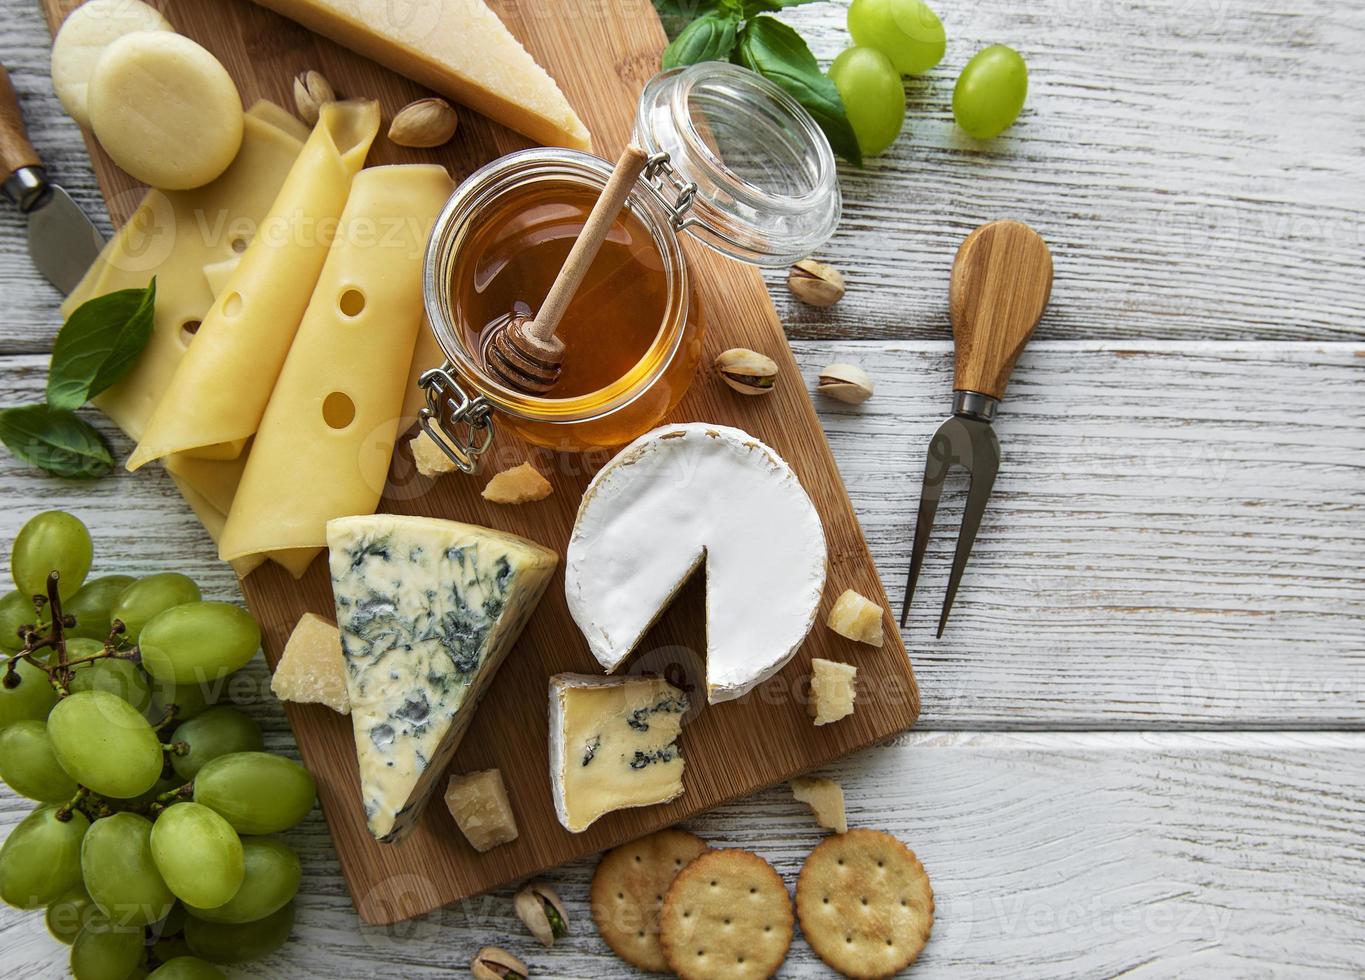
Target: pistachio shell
(492, 963)
(424, 123)
(816, 283)
(539, 907)
(845, 382)
(747, 371)
(311, 93)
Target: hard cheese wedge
(458, 48)
(613, 745)
(428, 610)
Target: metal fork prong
(978, 494)
(944, 452)
(924, 526)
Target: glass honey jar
(734, 162)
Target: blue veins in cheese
(427, 609)
(613, 744)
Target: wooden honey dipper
(525, 354)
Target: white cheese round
(165, 109)
(681, 497)
(84, 35)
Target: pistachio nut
(747, 371)
(846, 382)
(491, 963)
(815, 283)
(540, 908)
(424, 123)
(311, 93)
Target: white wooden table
(1141, 747)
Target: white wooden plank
(1051, 856)
(1174, 537)
(1195, 167)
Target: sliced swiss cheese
(458, 48)
(334, 413)
(220, 388)
(681, 497)
(613, 744)
(428, 609)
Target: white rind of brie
(681, 497)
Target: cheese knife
(62, 241)
(1000, 285)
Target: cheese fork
(1000, 285)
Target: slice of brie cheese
(673, 500)
(613, 745)
(428, 609)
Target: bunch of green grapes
(149, 849)
(892, 38)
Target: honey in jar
(734, 162)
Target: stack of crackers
(668, 903)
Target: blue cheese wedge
(613, 744)
(428, 610)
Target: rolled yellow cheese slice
(324, 446)
(220, 389)
(213, 520)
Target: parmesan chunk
(430, 458)
(825, 798)
(478, 802)
(311, 669)
(857, 617)
(832, 690)
(519, 485)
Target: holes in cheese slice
(239, 244)
(187, 331)
(338, 410)
(233, 305)
(352, 303)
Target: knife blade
(62, 240)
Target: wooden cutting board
(601, 54)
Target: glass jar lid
(748, 170)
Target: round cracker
(865, 904)
(628, 891)
(727, 915)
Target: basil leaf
(778, 53)
(55, 440)
(98, 345)
(708, 38)
(684, 8)
(754, 7)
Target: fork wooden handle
(1002, 278)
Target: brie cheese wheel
(681, 497)
(613, 744)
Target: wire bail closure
(448, 407)
(674, 193)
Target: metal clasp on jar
(450, 410)
(673, 192)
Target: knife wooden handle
(1002, 278)
(16, 151)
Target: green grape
(990, 92)
(218, 731)
(198, 642)
(874, 98)
(906, 31)
(91, 605)
(190, 700)
(272, 879)
(256, 792)
(138, 604)
(186, 968)
(119, 677)
(29, 766)
(68, 914)
(105, 744)
(220, 942)
(52, 541)
(105, 951)
(119, 873)
(198, 854)
(16, 610)
(41, 858)
(32, 698)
